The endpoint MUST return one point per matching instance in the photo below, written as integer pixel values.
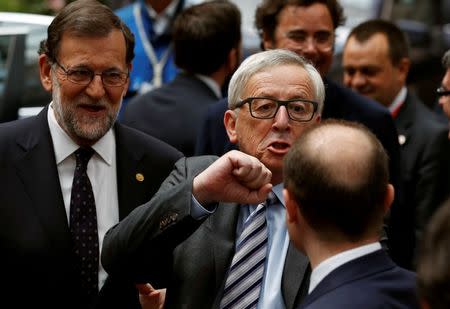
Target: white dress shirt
(101, 170)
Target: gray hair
(446, 59)
(260, 62)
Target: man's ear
(45, 73)
(230, 120)
(292, 210)
(389, 197)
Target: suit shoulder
(146, 143)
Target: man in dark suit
(207, 46)
(84, 63)
(308, 28)
(376, 64)
(337, 192)
(274, 96)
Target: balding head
(337, 172)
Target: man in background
(207, 46)
(376, 64)
(337, 194)
(151, 23)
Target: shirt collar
(399, 99)
(211, 83)
(278, 190)
(64, 146)
(330, 264)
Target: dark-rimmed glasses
(84, 76)
(266, 108)
(442, 92)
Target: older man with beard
(71, 173)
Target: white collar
(399, 99)
(211, 83)
(330, 264)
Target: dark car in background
(21, 92)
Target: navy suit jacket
(172, 113)
(37, 262)
(371, 281)
(340, 103)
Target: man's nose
(281, 119)
(96, 89)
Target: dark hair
(266, 16)
(396, 38)
(84, 18)
(204, 34)
(433, 272)
(341, 192)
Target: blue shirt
(270, 295)
(278, 238)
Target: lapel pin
(401, 139)
(139, 177)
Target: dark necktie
(243, 284)
(83, 225)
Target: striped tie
(246, 272)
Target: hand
(234, 177)
(151, 298)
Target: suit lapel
(38, 172)
(129, 165)
(404, 119)
(223, 228)
(295, 281)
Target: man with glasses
(443, 91)
(70, 173)
(213, 202)
(308, 28)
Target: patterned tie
(246, 272)
(83, 225)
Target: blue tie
(83, 226)
(245, 276)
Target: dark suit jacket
(340, 103)
(37, 263)
(425, 156)
(141, 246)
(371, 281)
(172, 113)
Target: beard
(82, 127)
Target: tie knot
(83, 155)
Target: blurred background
(23, 25)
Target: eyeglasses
(442, 92)
(322, 40)
(266, 108)
(83, 76)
